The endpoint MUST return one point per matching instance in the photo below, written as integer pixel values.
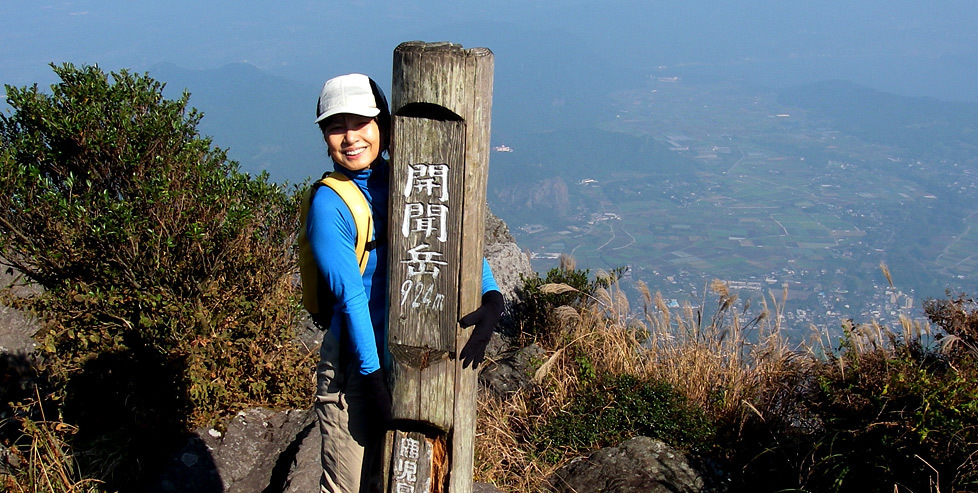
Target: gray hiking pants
(351, 454)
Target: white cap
(349, 93)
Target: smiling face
(354, 141)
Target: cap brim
(353, 110)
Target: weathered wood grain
(441, 101)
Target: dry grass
(732, 361)
(600, 327)
(723, 364)
(43, 461)
(729, 351)
(503, 458)
(726, 361)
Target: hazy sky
(909, 47)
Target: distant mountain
(266, 122)
(926, 126)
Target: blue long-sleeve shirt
(359, 301)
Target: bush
(896, 420)
(536, 313)
(168, 275)
(614, 408)
(876, 417)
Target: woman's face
(353, 140)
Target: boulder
(305, 469)
(17, 331)
(190, 469)
(254, 454)
(478, 487)
(640, 464)
(513, 371)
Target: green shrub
(897, 420)
(168, 275)
(535, 312)
(874, 417)
(614, 408)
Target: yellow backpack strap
(362, 217)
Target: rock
(478, 487)
(306, 468)
(497, 232)
(9, 461)
(20, 377)
(17, 282)
(252, 444)
(255, 454)
(191, 469)
(498, 346)
(17, 331)
(640, 464)
(513, 372)
(17, 328)
(308, 335)
(509, 264)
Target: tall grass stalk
(722, 362)
(44, 460)
(722, 366)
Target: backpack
(359, 208)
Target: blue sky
(901, 46)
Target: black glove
(378, 399)
(485, 320)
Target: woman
(353, 403)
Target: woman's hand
(485, 320)
(376, 393)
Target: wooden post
(441, 103)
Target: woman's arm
(488, 280)
(332, 235)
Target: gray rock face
(17, 360)
(17, 328)
(305, 469)
(478, 487)
(17, 331)
(508, 262)
(253, 455)
(637, 465)
(512, 372)
(253, 445)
